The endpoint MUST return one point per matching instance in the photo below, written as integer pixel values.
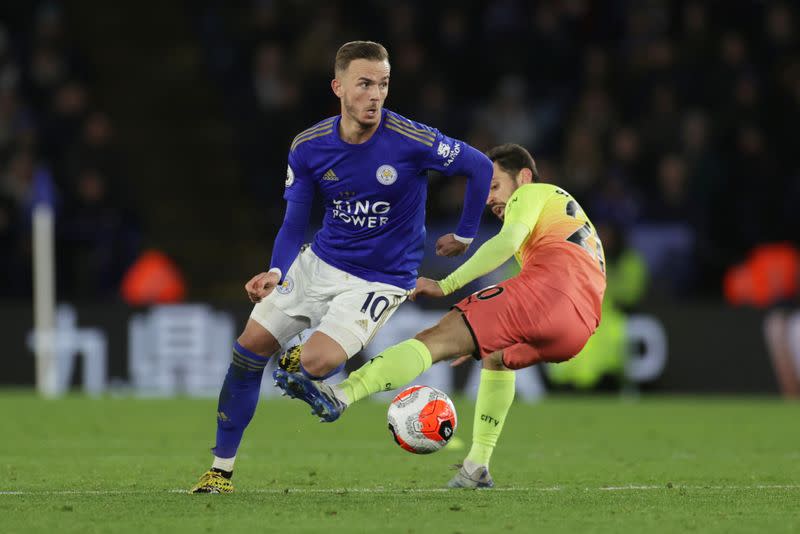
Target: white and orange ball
(422, 419)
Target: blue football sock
(323, 377)
(238, 399)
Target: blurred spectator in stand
(595, 113)
(408, 69)
(17, 177)
(707, 186)
(670, 224)
(314, 68)
(274, 98)
(95, 148)
(583, 164)
(509, 117)
(63, 124)
(660, 126)
(454, 52)
(757, 213)
(16, 124)
(780, 34)
(625, 163)
(9, 248)
(675, 107)
(696, 51)
(48, 69)
(98, 238)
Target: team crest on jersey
(386, 174)
(289, 176)
(286, 287)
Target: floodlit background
(159, 134)
(143, 154)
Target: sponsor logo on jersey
(452, 153)
(362, 213)
(330, 176)
(289, 176)
(443, 150)
(386, 174)
(286, 287)
(363, 324)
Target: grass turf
(589, 464)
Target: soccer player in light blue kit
(370, 166)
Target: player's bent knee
(494, 362)
(319, 364)
(258, 339)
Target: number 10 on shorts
(375, 306)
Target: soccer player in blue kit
(370, 166)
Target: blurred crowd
(57, 146)
(671, 121)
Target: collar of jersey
(358, 146)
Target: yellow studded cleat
(290, 360)
(212, 482)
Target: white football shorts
(316, 295)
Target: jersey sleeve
(491, 255)
(452, 157)
(290, 236)
(525, 206)
(299, 182)
(448, 156)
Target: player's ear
(525, 176)
(336, 85)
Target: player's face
(363, 88)
(500, 190)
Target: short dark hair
(512, 158)
(359, 50)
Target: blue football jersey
(374, 193)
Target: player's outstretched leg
(392, 368)
(317, 394)
(495, 395)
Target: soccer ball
(422, 419)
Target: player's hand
(461, 359)
(427, 287)
(447, 245)
(261, 285)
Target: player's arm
(299, 195)
(284, 251)
(478, 169)
(452, 157)
(290, 237)
(491, 255)
(522, 213)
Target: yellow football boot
(212, 482)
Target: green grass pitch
(588, 464)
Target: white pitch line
(680, 486)
(378, 491)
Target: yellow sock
(390, 369)
(495, 395)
